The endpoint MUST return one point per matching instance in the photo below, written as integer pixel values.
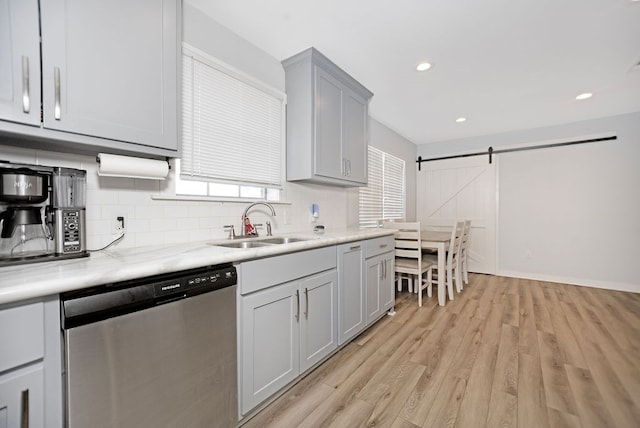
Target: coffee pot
(23, 234)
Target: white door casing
(459, 189)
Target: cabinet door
(270, 342)
(354, 137)
(375, 271)
(109, 69)
(22, 398)
(387, 289)
(380, 290)
(329, 161)
(318, 322)
(19, 61)
(351, 291)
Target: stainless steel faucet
(245, 219)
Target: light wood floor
(505, 353)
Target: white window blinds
(232, 126)
(384, 195)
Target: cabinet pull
(355, 247)
(56, 84)
(348, 168)
(384, 269)
(298, 304)
(306, 308)
(24, 416)
(26, 102)
(383, 246)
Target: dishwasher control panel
(196, 282)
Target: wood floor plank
(532, 405)
(445, 409)
(475, 402)
(503, 410)
(388, 406)
(540, 309)
(623, 407)
(568, 345)
(507, 352)
(528, 343)
(506, 372)
(557, 391)
(591, 408)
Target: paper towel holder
(132, 167)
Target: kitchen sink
(260, 242)
(283, 240)
(243, 244)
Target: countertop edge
(37, 280)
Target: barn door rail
(490, 151)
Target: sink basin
(243, 244)
(260, 242)
(283, 240)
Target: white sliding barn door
(460, 189)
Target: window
(232, 132)
(384, 196)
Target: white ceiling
(503, 64)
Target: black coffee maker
(42, 213)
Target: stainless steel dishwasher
(155, 352)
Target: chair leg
(450, 283)
(465, 271)
(429, 282)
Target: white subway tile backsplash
(157, 222)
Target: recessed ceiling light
(584, 96)
(461, 119)
(423, 66)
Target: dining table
(433, 239)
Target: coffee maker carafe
(42, 213)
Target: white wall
(153, 221)
(567, 214)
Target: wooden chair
(409, 262)
(463, 252)
(452, 266)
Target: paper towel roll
(127, 166)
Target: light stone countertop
(23, 282)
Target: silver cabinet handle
(298, 299)
(383, 246)
(355, 247)
(26, 102)
(56, 84)
(348, 168)
(306, 308)
(24, 415)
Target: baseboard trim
(607, 285)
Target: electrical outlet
(119, 224)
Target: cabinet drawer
(21, 335)
(380, 245)
(259, 274)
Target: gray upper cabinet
(327, 121)
(108, 72)
(19, 61)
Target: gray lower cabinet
(287, 320)
(30, 365)
(351, 290)
(380, 292)
(380, 266)
(103, 76)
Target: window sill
(213, 199)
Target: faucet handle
(231, 229)
(268, 228)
